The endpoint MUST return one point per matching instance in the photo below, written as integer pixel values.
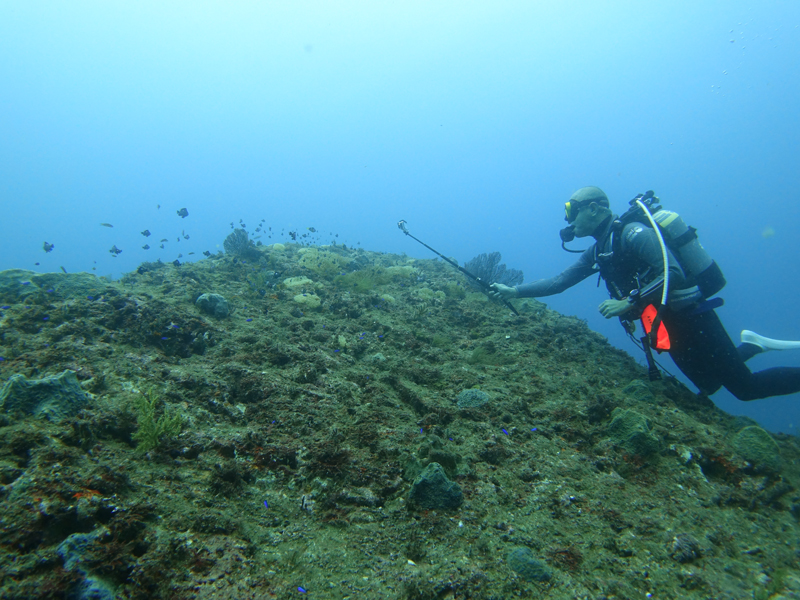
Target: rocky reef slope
(335, 423)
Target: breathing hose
(663, 250)
(653, 337)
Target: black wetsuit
(699, 344)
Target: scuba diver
(656, 271)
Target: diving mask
(571, 209)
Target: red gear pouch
(648, 316)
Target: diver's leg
(778, 381)
(702, 349)
(746, 385)
(694, 347)
(747, 351)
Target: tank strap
(682, 240)
(707, 305)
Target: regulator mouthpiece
(567, 234)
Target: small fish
(186, 237)
(63, 269)
(165, 240)
(106, 224)
(158, 206)
(115, 251)
(183, 213)
(146, 247)
(312, 230)
(206, 253)
(161, 246)
(180, 255)
(48, 247)
(176, 262)
(190, 253)
(37, 264)
(146, 233)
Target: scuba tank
(700, 269)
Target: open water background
(472, 121)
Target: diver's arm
(580, 270)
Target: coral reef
(432, 489)
(213, 304)
(239, 244)
(523, 563)
(471, 399)
(631, 431)
(488, 268)
(323, 263)
(54, 397)
(757, 446)
(283, 448)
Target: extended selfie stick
(487, 287)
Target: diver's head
(586, 210)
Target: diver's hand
(502, 292)
(614, 308)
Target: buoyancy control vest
(699, 268)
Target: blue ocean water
(472, 121)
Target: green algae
(487, 353)
(153, 431)
(363, 280)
